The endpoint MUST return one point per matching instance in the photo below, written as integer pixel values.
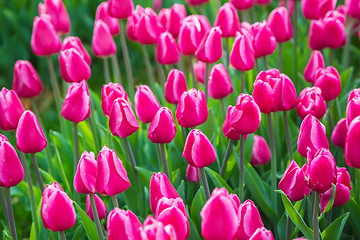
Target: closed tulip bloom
(122, 120)
(160, 186)
(86, 174)
(204, 23)
(111, 175)
(165, 203)
(190, 35)
(227, 129)
(312, 136)
(353, 8)
(210, 48)
(176, 17)
(328, 80)
(315, 63)
(192, 109)
(196, 2)
(156, 230)
(120, 9)
(174, 86)
(311, 8)
(280, 24)
(292, 182)
(109, 93)
(164, 17)
(199, 69)
(44, 39)
(249, 220)
(73, 67)
(11, 170)
(264, 40)
(220, 85)
(261, 154)
(192, 174)
(162, 128)
(166, 50)
(353, 105)
(146, 104)
(29, 136)
(132, 22)
(334, 26)
(316, 35)
(26, 81)
(219, 218)
(76, 106)
(352, 144)
(57, 209)
(310, 101)
(228, 20)
(75, 42)
(123, 224)
(242, 56)
(100, 207)
(321, 171)
(338, 136)
(262, 234)
(103, 44)
(147, 28)
(58, 13)
(198, 150)
(242, 4)
(103, 14)
(11, 109)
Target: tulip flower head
(228, 20)
(75, 42)
(123, 224)
(190, 35)
(103, 14)
(353, 8)
(154, 230)
(264, 41)
(11, 109)
(147, 28)
(210, 48)
(352, 143)
(242, 56)
(120, 9)
(162, 128)
(310, 101)
(261, 154)
(166, 50)
(146, 104)
(109, 93)
(86, 174)
(249, 220)
(262, 234)
(192, 174)
(174, 86)
(26, 81)
(328, 80)
(177, 13)
(220, 85)
(242, 4)
(11, 170)
(280, 24)
(196, 2)
(353, 106)
(73, 67)
(103, 44)
(199, 70)
(315, 63)
(338, 136)
(59, 15)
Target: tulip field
(180, 119)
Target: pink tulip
(198, 150)
(11, 170)
(228, 130)
(352, 143)
(156, 230)
(196, 2)
(192, 174)
(204, 24)
(328, 80)
(338, 136)
(120, 9)
(264, 40)
(103, 44)
(334, 26)
(174, 86)
(3, 138)
(249, 220)
(353, 8)
(111, 175)
(312, 136)
(103, 14)
(220, 85)
(44, 39)
(327, 6)
(76, 106)
(122, 120)
(242, 56)
(132, 21)
(166, 50)
(310, 9)
(164, 17)
(176, 17)
(58, 14)
(29, 136)
(190, 35)
(261, 154)
(293, 184)
(228, 20)
(109, 93)
(160, 186)
(263, 2)
(123, 224)
(146, 104)
(157, 4)
(147, 28)
(11, 109)
(353, 106)
(26, 81)
(242, 4)
(100, 207)
(57, 210)
(210, 48)
(262, 234)
(316, 35)
(165, 203)
(75, 42)
(192, 109)
(86, 174)
(162, 128)
(199, 69)
(73, 67)
(315, 63)
(310, 101)
(280, 24)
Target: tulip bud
(192, 174)
(310, 9)
(146, 104)
(249, 220)
(122, 120)
(192, 109)
(175, 86)
(73, 67)
(102, 14)
(353, 8)
(264, 40)
(86, 174)
(315, 63)
(310, 102)
(103, 44)
(156, 230)
(120, 9)
(293, 184)
(123, 224)
(162, 128)
(26, 81)
(58, 13)
(280, 24)
(190, 35)
(321, 171)
(228, 20)
(160, 186)
(75, 42)
(316, 35)
(227, 128)
(100, 207)
(242, 56)
(196, 2)
(57, 210)
(352, 143)
(29, 136)
(242, 4)
(11, 109)
(262, 234)
(338, 136)
(132, 22)
(147, 28)
(312, 136)
(198, 150)
(44, 39)
(261, 154)
(199, 70)
(210, 48)
(166, 50)
(219, 218)
(353, 106)
(220, 85)
(112, 177)
(176, 16)
(328, 80)
(334, 25)
(11, 170)
(109, 93)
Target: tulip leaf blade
(209, 127)
(196, 206)
(88, 224)
(181, 190)
(194, 234)
(218, 181)
(353, 207)
(335, 228)
(144, 174)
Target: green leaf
(144, 174)
(194, 235)
(88, 224)
(181, 190)
(334, 230)
(209, 127)
(296, 217)
(353, 207)
(218, 181)
(196, 206)
(62, 170)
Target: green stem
(181, 65)
(331, 57)
(241, 169)
(265, 63)
(158, 156)
(191, 59)
(204, 183)
(280, 57)
(226, 157)
(107, 71)
(242, 87)
(206, 80)
(149, 69)
(257, 65)
(273, 160)
(295, 35)
(37, 172)
(54, 83)
(115, 201)
(184, 134)
(116, 68)
(287, 135)
(131, 157)
(346, 53)
(4, 205)
(96, 217)
(163, 159)
(329, 217)
(315, 215)
(62, 235)
(227, 53)
(10, 213)
(223, 108)
(94, 131)
(357, 173)
(76, 157)
(331, 123)
(288, 228)
(160, 70)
